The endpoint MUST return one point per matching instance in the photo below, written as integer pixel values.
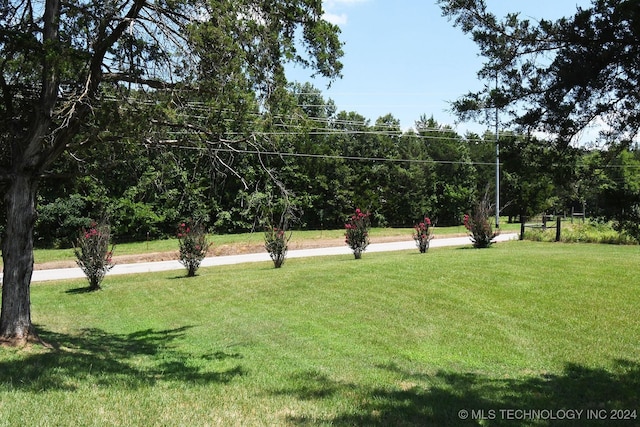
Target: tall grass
(581, 232)
(393, 339)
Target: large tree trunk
(17, 254)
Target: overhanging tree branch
(554, 75)
(128, 78)
(87, 43)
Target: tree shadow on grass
(309, 385)
(81, 290)
(139, 359)
(442, 399)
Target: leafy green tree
(338, 181)
(301, 130)
(482, 150)
(453, 179)
(528, 185)
(412, 194)
(62, 62)
(558, 77)
(590, 183)
(619, 196)
(59, 221)
(406, 196)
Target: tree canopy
(61, 63)
(558, 77)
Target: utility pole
(497, 162)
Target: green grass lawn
(393, 339)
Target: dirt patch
(221, 250)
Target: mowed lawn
(392, 339)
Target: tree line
(322, 164)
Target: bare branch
(128, 78)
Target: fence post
(522, 219)
(558, 223)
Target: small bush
(357, 233)
(276, 242)
(422, 235)
(480, 230)
(93, 254)
(193, 246)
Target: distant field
(396, 338)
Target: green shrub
(59, 221)
(192, 239)
(478, 225)
(276, 242)
(93, 253)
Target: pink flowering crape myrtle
(422, 234)
(357, 233)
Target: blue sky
(402, 57)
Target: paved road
(146, 267)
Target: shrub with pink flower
(193, 246)
(423, 234)
(93, 254)
(357, 232)
(276, 240)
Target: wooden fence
(543, 225)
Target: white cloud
(335, 18)
(333, 3)
(333, 11)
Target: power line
(173, 143)
(203, 106)
(362, 158)
(338, 131)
